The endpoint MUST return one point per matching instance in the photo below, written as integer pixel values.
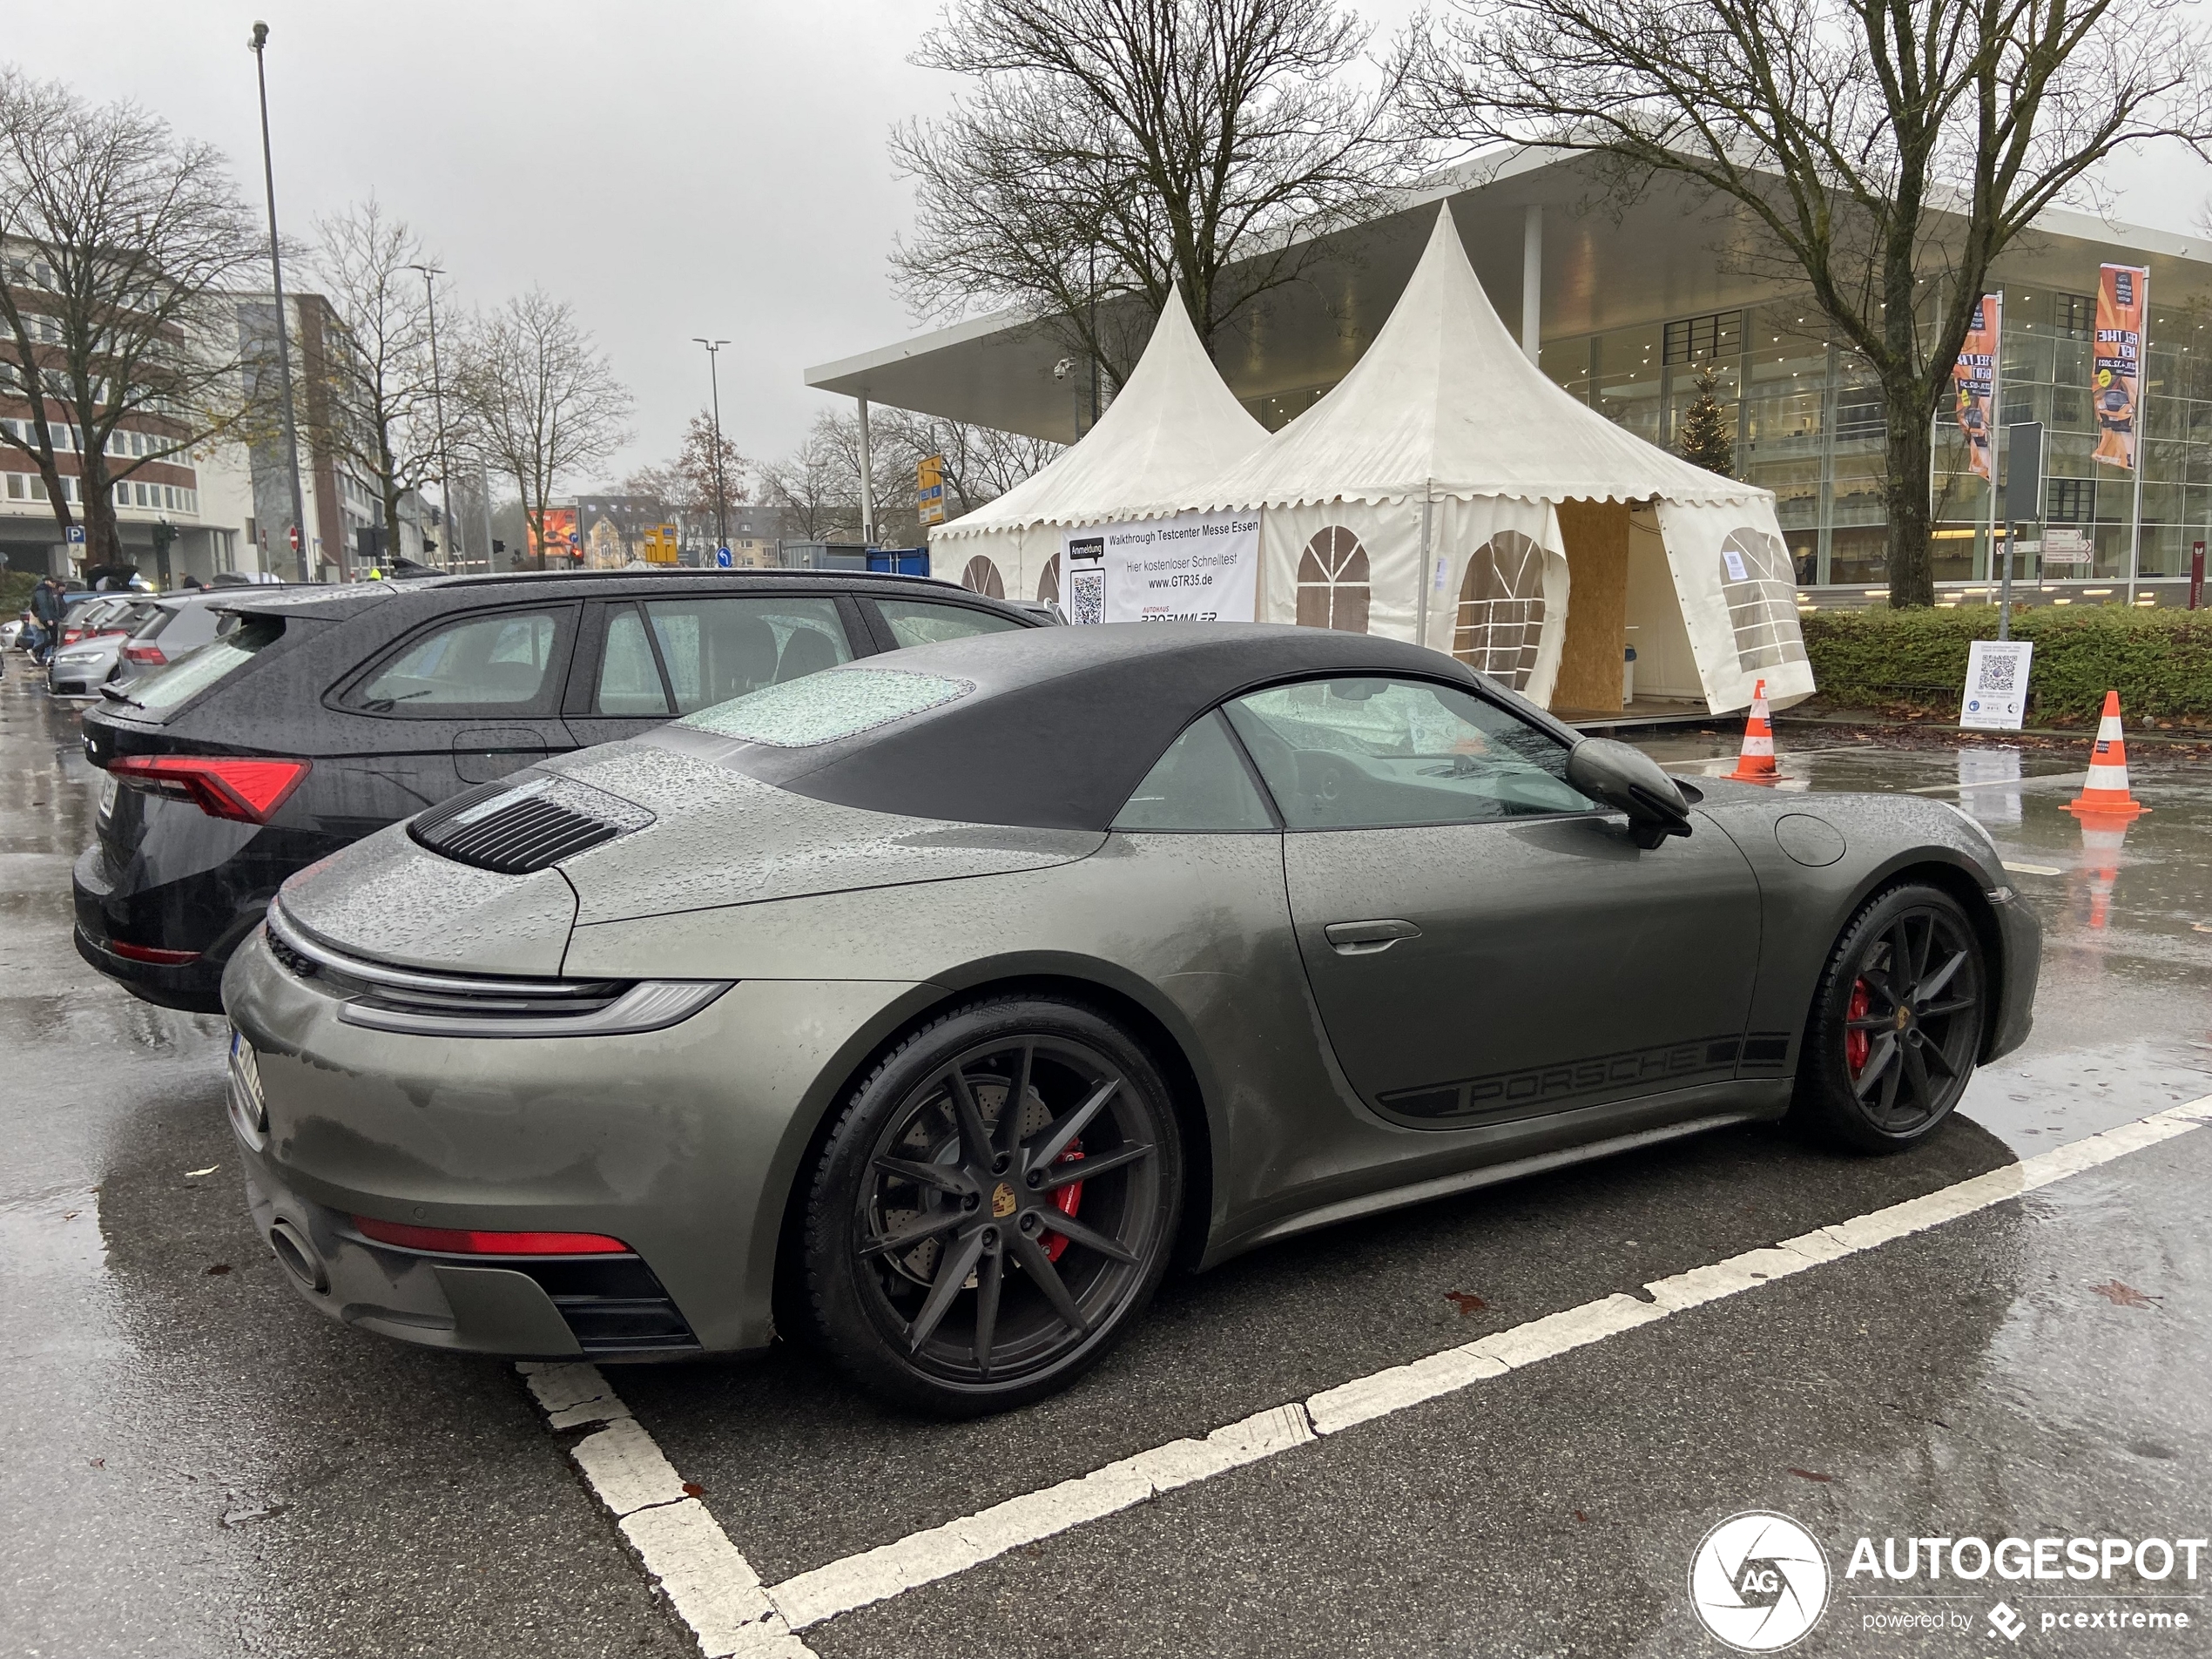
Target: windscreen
(192, 674)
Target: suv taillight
(143, 654)
(246, 791)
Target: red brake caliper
(1857, 1044)
(1067, 1198)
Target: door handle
(1366, 938)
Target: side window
(1381, 753)
(499, 661)
(1200, 785)
(718, 648)
(629, 682)
(918, 622)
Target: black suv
(320, 715)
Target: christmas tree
(1708, 433)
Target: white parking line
(716, 1591)
(713, 1586)
(940, 1552)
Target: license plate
(109, 786)
(246, 1099)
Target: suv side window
(707, 651)
(923, 621)
(502, 660)
(1381, 754)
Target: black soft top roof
(1065, 723)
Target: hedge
(1914, 662)
(15, 592)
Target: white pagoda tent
(1447, 491)
(1173, 425)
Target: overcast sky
(673, 169)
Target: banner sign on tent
(1996, 697)
(2123, 300)
(1195, 567)
(1974, 377)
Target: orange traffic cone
(2105, 794)
(1755, 763)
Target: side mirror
(1629, 780)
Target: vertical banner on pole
(2123, 301)
(1975, 378)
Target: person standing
(47, 605)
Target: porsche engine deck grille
(511, 829)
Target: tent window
(1759, 584)
(1502, 609)
(1049, 583)
(982, 577)
(1333, 581)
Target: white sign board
(1195, 567)
(1996, 697)
(2066, 547)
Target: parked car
(94, 655)
(83, 613)
(174, 624)
(326, 713)
(955, 992)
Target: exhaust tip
(297, 1257)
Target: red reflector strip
(467, 1241)
(152, 953)
(246, 791)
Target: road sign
(294, 534)
(74, 535)
(929, 472)
(721, 558)
(2196, 574)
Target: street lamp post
(714, 383)
(283, 323)
(430, 273)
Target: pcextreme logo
(1758, 1581)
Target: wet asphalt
(191, 1461)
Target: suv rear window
(168, 690)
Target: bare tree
(540, 401)
(1889, 151)
(1112, 150)
(379, 407)
(687, 484)
(117, 241)
(818, 485)
(981, 463)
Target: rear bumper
(195, 987)
(531, 1307)
(199, 913)
(685, 1143)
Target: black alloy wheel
(1897, 1023)
(996, 1202)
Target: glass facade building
(1808, 424)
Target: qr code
(1087, 596)
(1998, 672)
